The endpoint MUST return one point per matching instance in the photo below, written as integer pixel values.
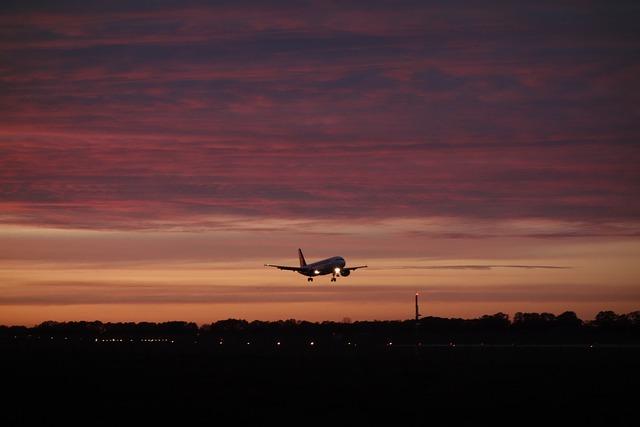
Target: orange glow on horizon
(212, 281)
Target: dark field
(196, 384)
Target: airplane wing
(355, 268)
(284, 267)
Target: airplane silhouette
(334, 266)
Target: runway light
(278, 343)
(390, 343)
(312, 343)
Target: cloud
(124, 117)
(83, 293)
(469, 267)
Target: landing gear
(310, 279)
(333, 279)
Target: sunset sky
(155, 154)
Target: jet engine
(345, 273)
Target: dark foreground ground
(189, 384)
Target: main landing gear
(333, 279)
(310, 279)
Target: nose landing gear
(310, 279)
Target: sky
(155, 154)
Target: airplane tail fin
(303, 263)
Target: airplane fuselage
(331, 265)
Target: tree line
(607, 326)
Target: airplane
(334, 266)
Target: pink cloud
(118, 114)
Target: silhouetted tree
(606, 319)
(568, 319)
(496, 321)
(533, 320)
(634, 318)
